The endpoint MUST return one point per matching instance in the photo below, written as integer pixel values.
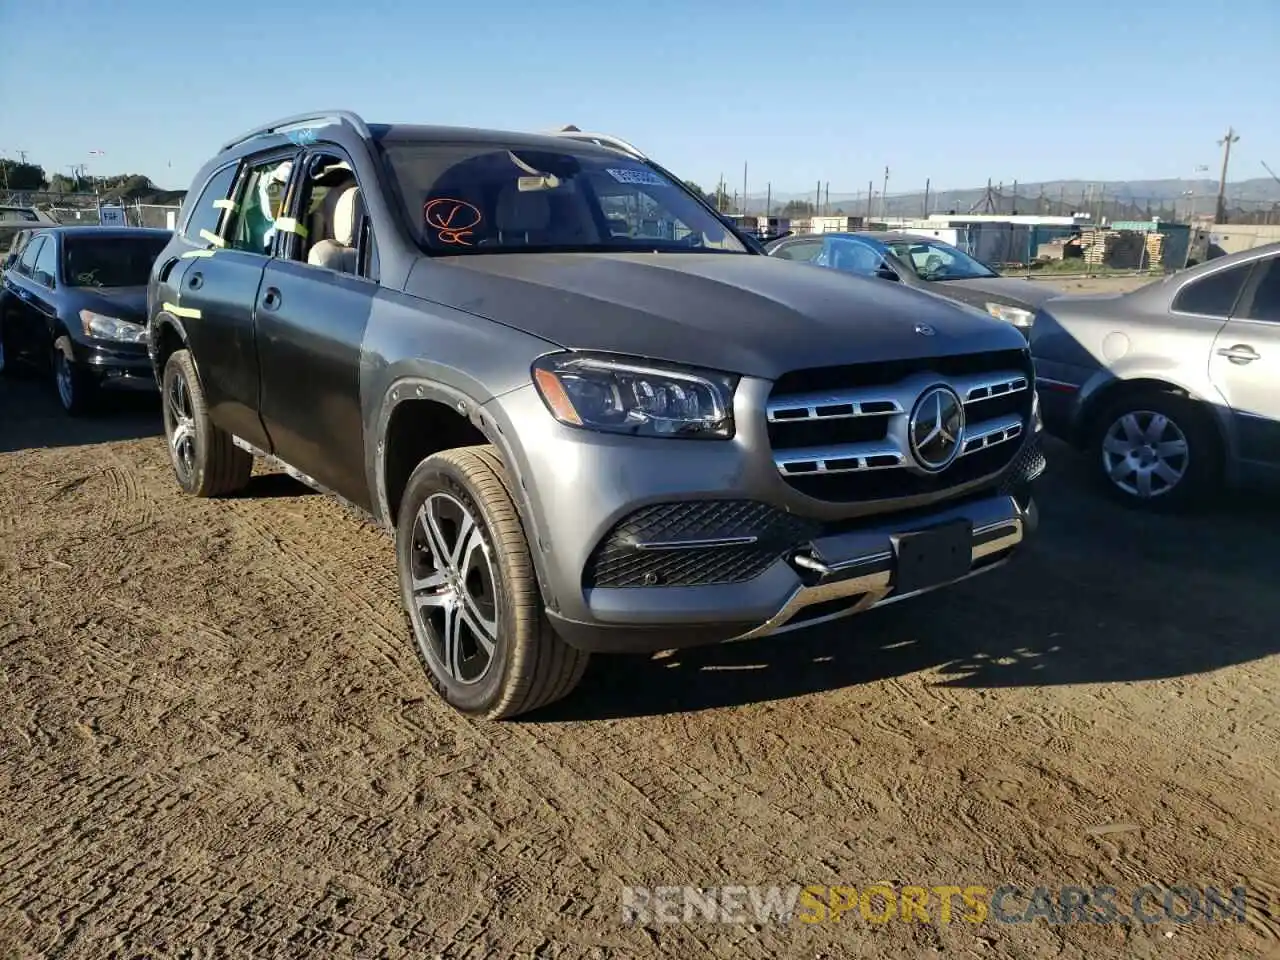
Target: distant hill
(1122, 198)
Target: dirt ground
(216, 741)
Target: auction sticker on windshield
(637, 175)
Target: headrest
(346, 216)
(519, 212)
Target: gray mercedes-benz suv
(595, 417)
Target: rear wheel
(1156, 451)
(468, 584)
(205, 459)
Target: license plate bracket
(932, 556)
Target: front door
(313, 308)
(1245, 366)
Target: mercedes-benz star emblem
(925, 330)
(936, 428)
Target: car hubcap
(1145, 454)
(62, 375)
(180, 425)
(454, 606)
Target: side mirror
(885, 273)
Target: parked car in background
(74, 304)
(920, 262)
(1172, 388)
(17, 225)
(595, 417)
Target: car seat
(340, 252)
(522, 217)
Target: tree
(22, 176)
(797, 208)
(708, 197)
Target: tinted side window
(804, 251)
(28, 258)
(1266, 296)
(206, 214)
(1215, 295)
(46, 267)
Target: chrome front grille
(853, 442)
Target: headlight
(637, 397)
(112, 328)
(1015, 315)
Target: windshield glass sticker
(637, 175)
(453, 220)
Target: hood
(126, 303)
(1009, 290)
(742, 314)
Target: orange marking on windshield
(441, 215)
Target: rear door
(311, 323)
(1245, 365)
(23, 320)
(223, 287)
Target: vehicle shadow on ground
(271, 486)
(31, 417)
(1104, 595)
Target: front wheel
(77, 390)
(1156, 451)
(468, 584)
(205, 459)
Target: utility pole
(926, 198)
(744, 188)
(768, 199)
(1225, 143)
(1014, 208)
(870, 193)
(826, 199)
(817, 200)
(884, 195)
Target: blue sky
(958, 92)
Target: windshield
(467, 198)
(115, 261)
(938, 261)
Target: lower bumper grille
(694, 543)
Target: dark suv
(594, 416)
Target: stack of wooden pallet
(1098, 245)
(1120, 249)
(1155, 250)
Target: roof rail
(601, 139)
(340, 116)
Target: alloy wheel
(62, 377)
(1145, 454)
(180, 425)
(454, 605)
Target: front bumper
(824, 579)
(576, 489)
(122, 365)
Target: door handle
(1240, 353)
(196, 281)
(271, 299)
(23, 294)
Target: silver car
(1174, 389)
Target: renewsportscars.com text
(883, 903)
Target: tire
(8, 356)
(205, 459)
(1132, 424)
(77, 390)
(527, 664)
